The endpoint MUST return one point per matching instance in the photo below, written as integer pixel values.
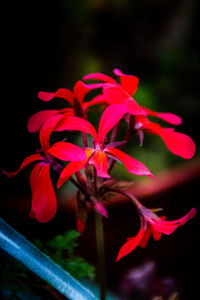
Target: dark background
(47, 45)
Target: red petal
(100, 76)
(146, 236)
(110, 117)
(162, 226)
(47, 128)
(34, 123)
(178, 143)
(60, 93)
(131, 164)
(27, 161)
(168, 117)
(114, 94)
(81, 89)
(156, 235)
(67, 151)
(128, 82)
(99, 160)
(73, 167)
(96, 100)
(134, 108)
(44, 204)
(131, 244)
(76, 123)
(184, 219)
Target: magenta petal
(131, 164)
(99, 160)
(60, 93)
(34, 123)
(100, 76)
(110, 117)
(44, 204)
(128, 82)
(167, 227)
(184, 219)
(98, 206)
(27, 161)
(178, 143)
(131, 244)
(67, 151)
(76, 123)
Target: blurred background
(51, 44)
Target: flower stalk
(100, 255)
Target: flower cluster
(92, 162)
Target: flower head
(44, 204)
(47, 120)
(97, 155)
(121, 94)
(152, 224)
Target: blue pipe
(21, 249)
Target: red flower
(97, 155)
(151, 224)
(44, 204)
(178, 143)
(48, 119)
(115, 93)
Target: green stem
(101, 255)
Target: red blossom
(48, 119)
(44, 204)
(115, 93)
(97, 156)
(151, 224)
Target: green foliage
(62, 250)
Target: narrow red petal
(67, 151)
(131, 244)
(128, 82)
(178, 143)
(44, 204)
(76, 123)
(47, 128)
(114, 94)
(73, 167)
(81, 89)
(27, 161)
(146, 236)
(168, 117)
(110, 117)
(60, 93)
(162, 226)
(134, 108)
(99, 160)
(184, 219)
(34, 123)
(131, 164)
(96, 100)
(100, 76)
